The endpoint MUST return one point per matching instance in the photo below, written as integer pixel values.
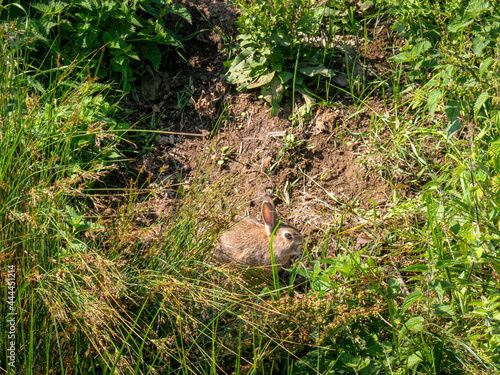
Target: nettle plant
(282, 46)
(455, 59)
(111, 33)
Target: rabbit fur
(248, 242)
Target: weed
(278, 50)
(102, 292)
(291, 147)
(223, 156)
(109, 34)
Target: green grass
(100, 291)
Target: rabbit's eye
(288, 236)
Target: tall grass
(105, 286)
(103, 294)
(52, 145)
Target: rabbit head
(249, 242)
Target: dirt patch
(314, 175)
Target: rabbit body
(249, 241)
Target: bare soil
(325, 175)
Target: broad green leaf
(47, 24)
(414, 359)
(77, 245)
(280, 40)
(452, 109)
(449, 262)
(413, 54)
(433, 100)
(263, 80)
(132, 54)
(484, 66)
(51, 8)
(495, 117)
(459, 24)
(85, 4)
(421, 47)
(453, 128)
(410, 300)
(165, 36)
(467, 231)
(476, 8)
(495, 184)
(403, 57)
(285, 76)
(479, 103)
(112, 155)
(240, 62)
(415, 324)
(417, 268)
(273, 94)
(443, 309)
(320, 69)
(119, 61)
(151, 52)
(44, 8)
(137, 21)
(479, 44)
(180, 11)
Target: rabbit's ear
(269, 217)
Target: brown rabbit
(249, 241)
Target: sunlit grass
(117, 289)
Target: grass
(102, 287)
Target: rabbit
(248, 242)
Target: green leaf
(417, 268)
(280, 40)
(285, 76)
(46, 24)
(443, 309)
(179, 10)
(495, 149)
(479, 103)
(273, 94)
(111, 155)
(495, 117)
(476, 8)
(137, 21)
(484, 66)
(415, 324)
(421, 47)
(403, 57)
(452, 109)
(165, 36)
(85, 4)
(132, 54)
(414, 359)
(263, 80)
(320, 69)
(151, 52)
(453, 128)
(479, 44)
(459, 24)
(416, 52)
(449, 262)
(52, 8)
(119, 61)
(410, 300)
(433, 100)
(86, 35)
